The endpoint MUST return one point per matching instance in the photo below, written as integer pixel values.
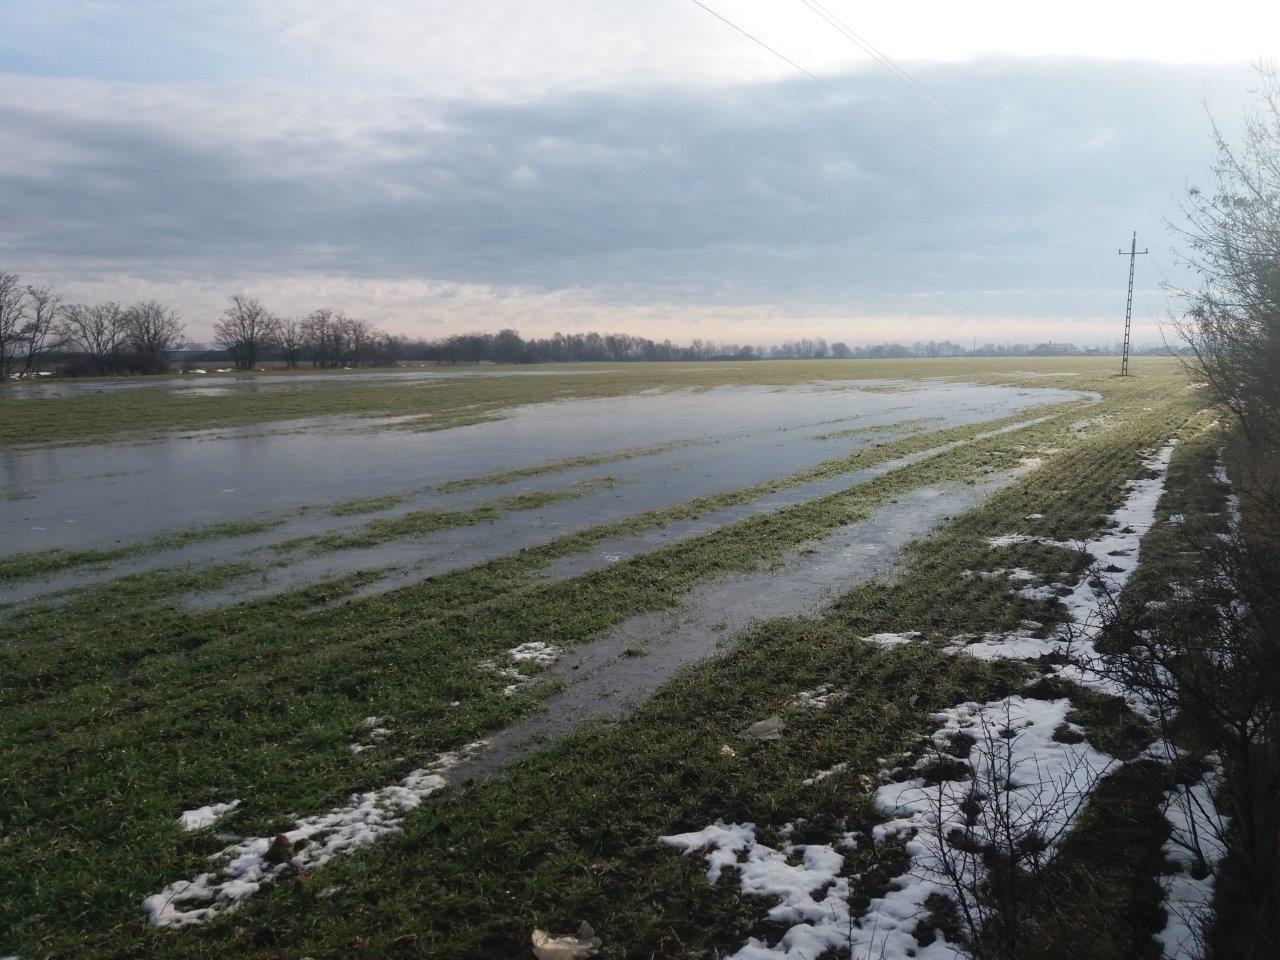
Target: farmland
(458, 650)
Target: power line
(885, 61)
(889, 123)
(955, 116)
(882, 58)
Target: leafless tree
(1207, 661)
(324, 331)
(245, 330)
(152, 333)
(291, 341)
(14, 315)
(96, 331)
(43, 323)
(998, 824)
(1232, 321)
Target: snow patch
(243, 868)
(819, 698)
(534, 652)
(1047, 785)
(892, 639)
(1195, 849)
(202, 817)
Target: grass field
(120, 707)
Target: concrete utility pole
(1132, 252)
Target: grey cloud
(763, 193)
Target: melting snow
(817, 699)
(892, 639)
(202, 817)
(1009, 539)
(536, 652)
(1118, 547)
(1195, 847)
(1044, 782)
(825, 774)
(375, 732)
(1050, 782)
(242, 869)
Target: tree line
(37, 328)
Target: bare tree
(43, 324)
(152, 333)
(13, 322)
(1232, 322)
(96, 331)
(998, 824)
(324, 333)
(245, 330)
(290, 340)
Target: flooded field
(430, 656)
(646, 452)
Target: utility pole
(1133, 253)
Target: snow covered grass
(819, 698)
(1038, 786)
(1019, 786)
(205, 816)
(1111, 557)
(245, 867)
(534, 654)
(1194, 851)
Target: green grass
(118, 710)
(24, 566)
(377, 504)
(419, 523)
(903, 426)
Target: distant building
(1054, 349)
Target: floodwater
(226, 383)
(100, 496)
(624, 666)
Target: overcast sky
(617, 164)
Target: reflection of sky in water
(98, 495)
(211, 384)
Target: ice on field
(535, 652)
(892, 639)
(818, 698)
(242, 869)
(569, 946)
(770, 728)
(202, 817)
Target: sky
(616, 165)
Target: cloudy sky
(618, 164)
